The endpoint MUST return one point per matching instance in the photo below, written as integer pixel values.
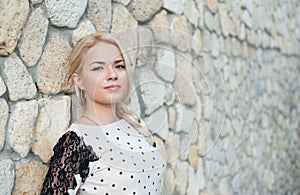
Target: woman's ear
(78, 81)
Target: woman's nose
(111, 73)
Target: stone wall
(217, 82)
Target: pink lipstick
(112, 87)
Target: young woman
(106, 151)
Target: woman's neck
(101, 114)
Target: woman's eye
(97, 68)
(120, 66)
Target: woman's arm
(71, 157)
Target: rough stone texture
(124, 2)
(144, 10)
(34, 2)
(190, 10)
(176, 6)
(157, 123)
(200, 6)
(33, 37)
(197, 42)
(212, 5)
(181, 176)
(85, 28)
(170, 94)
(28, 179)
(124, 27)
(7, 175)
(100, 14)
(181, 38)
(165, 63)
(52, 122)
(224, 20)
(65, 13)
(3, 120)
(2, 87)
(134, 102)
(152, 90)
(193, 158)
(231, 98)
(160, 27)
(183, 83)
(184, 118)
(53, 72)
(146, 48)
(14, 69)
(13, 16)
(21, 125)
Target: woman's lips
(112, 87)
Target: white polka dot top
(114, 159)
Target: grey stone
(144, 10)
(157, 123)
(170, 94)
(246, 18)
(85, 28)
(176, 6)
(33, 37)
(200, 7)
(17, 79)
(146, 48)
(247, 5)
(224, 186)
(65, 13)
(53, 73)
(224, 20)
(184, 119)
(2, 87)
(215, 48)
(193, 186)
(124, 2)
(197, 42)
(152, 90)
(165, 63)
(13, 16)
(124, 27)
(134, 102)
(34, 2)
(183, 83)
(7, 176)
(52, 122)
(206, 40)
(209, 20)
(3, 121)
(200, 174)
(160, 27)
(181, 37)
(181, 176)
(99, 12)
(21, 125)
(242, 32)
(212, 5)
(190, 10)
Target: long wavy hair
(76, 63)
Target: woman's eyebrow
(98, 62)
(118, 61)
(103, 63)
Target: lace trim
(71, 156)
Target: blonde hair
(76, 64)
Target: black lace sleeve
(71, 156)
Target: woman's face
(103, 76)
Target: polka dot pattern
(127, 163)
